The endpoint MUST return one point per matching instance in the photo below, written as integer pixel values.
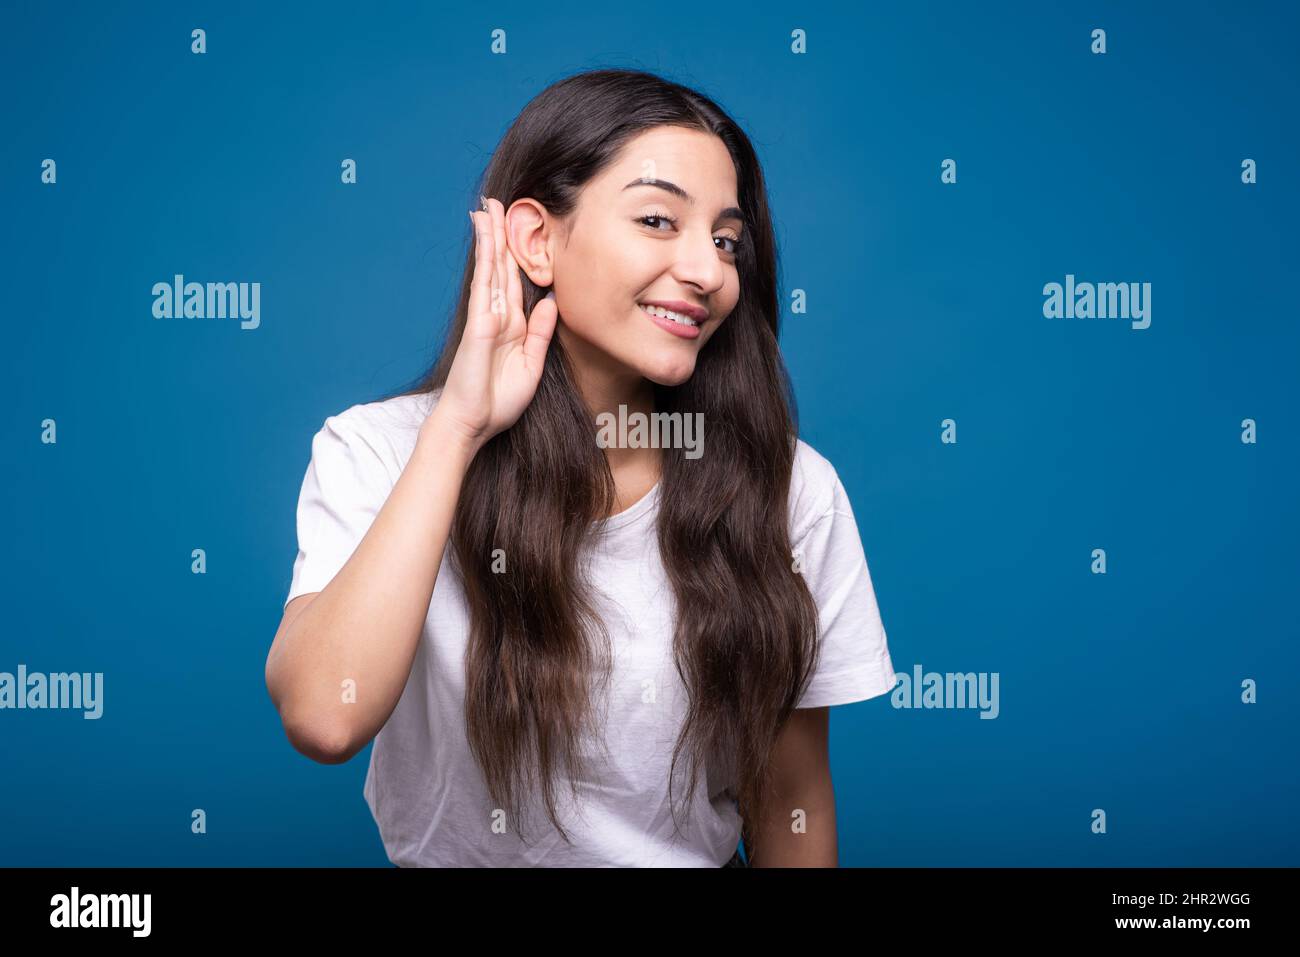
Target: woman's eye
(653, 218)
(664, 219)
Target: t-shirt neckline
(631, 513)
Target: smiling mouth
(663, 313)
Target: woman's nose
(698, 264)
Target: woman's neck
(605, 386)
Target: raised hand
(500, 357)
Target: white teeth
(668, 314)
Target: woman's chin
(669, 370)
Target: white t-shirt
(423, 786)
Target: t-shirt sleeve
(855, 663)
(345, 486)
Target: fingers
(501, 280)
(507, 287)
(480, 297)
(514, 293)
(541, 326)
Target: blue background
(1118, 691)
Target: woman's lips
(676, 328)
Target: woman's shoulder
(398, 413)
(387, 427)
(814, 487)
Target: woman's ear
(530, 232)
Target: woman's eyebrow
(731, 212)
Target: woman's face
(659, 225)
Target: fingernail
(550, 295)
(482, 199)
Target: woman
(627, 653)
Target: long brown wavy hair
(745, 632)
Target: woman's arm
(801, 783)
(365, 625)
